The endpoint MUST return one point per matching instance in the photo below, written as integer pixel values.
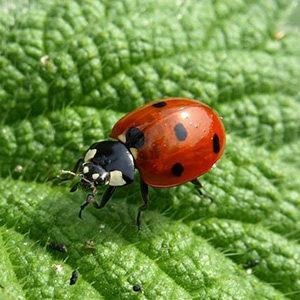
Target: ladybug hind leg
(144, 192)
(199, 188)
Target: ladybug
(169, 141)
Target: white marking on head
(95, 176)
(134, 152)
(90, 154)
(86, 169)
(122, 138)
(116, 178)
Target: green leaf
(70, 69)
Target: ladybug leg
(198, 185)
(88, 200)
(64, 179)
(91, 199)
(74, 187)
(199, 188)
(106, 197)
(144, 191)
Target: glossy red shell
(203, 143)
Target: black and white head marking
(109, 162)
(93, 175)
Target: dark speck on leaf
(74, 277)
(58, 247)
(137, 288)
(251, 264)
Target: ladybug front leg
(199, 187)
(144, 192)
(88, 200)
(91, 199)
(106, 197)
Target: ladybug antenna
(64, 172)
(73, 173)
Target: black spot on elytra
(177, 169)
(180, 132)
(159, 104)
(216, 143)
(134, 138)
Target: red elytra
(183, 139)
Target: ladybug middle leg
(75, 187)
(106, 197)
(144, 192)
(91, 199)
(199, 188)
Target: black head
(111, 157)
(107, 162)
(93, 175)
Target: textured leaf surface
(70, 69)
